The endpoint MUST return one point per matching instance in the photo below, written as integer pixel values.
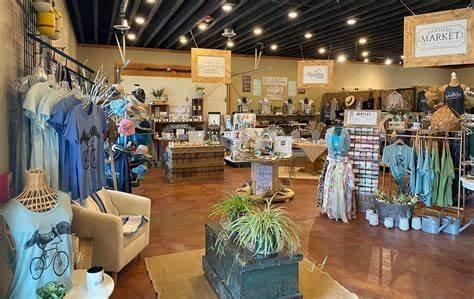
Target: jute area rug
(180, 275)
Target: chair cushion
(101, 202)
(128, 239)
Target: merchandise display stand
(79, 289)
(265, 182)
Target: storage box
(238, 274)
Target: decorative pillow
(101, 202)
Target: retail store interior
(236, 149)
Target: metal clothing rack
(80, 66)
(431, 135)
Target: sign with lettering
(275, 92)
(315, 73)
(257, 87)
(282, 146)
(442, 38)
(362, 118)
(209, 65)
(263, 178)
(246, 83)
(445, 38)
(279, 81)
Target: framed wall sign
(440, 38)
(213, 66)
(362, 118)
(315, 73)
(246, 83)
(275, 81)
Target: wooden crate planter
(237, 274)
(195, 162)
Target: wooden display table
(239, 274)
(199, 162)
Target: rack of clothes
(63, 126)
(427, 164)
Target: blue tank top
(42, 244)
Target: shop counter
(194, 162)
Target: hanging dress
(436, 171)
(339, 176)
(427, 179)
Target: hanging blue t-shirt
(85, 131)
(122, 171)
(42, 245)
(398, 156)
(56, 121)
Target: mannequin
(265, 106)
(37, 195)
(454, 94)
(306, 105)
(35, 236)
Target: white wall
(178, 89)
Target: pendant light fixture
(228, 5)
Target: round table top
(79, 287)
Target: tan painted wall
(68, 39)
(466, 76)
(347, 75)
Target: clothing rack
(430, 135)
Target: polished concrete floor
(372, 262)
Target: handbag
(445, 119)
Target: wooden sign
(315, 73)
(246, 83)
(213, 66)
(362, 118)
(440, 38)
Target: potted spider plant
(265, 232)
(158, 93)
(233, 207)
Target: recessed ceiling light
(308, 35)
(400, 62)
(257, 31)
(131, 36)
(362, 40)
(183, 39)
(230, 44)
(322, 50)
(402, 57)
(227, 5)
(202, 26)
(274, 47)
(351, 21)
(293, 14)
(341, 58)
(150, 1)
(366, 60)
(388, 61)
(365, 54)
(139, 20)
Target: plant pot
(259, 253)
(393, 211)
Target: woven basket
(445, 119)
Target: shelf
(176, 122)
(287, 115)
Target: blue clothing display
(338, 141)
(56, 121)
(41, 246)
(122, 171)
(413, 172)
(398, 156)
(85, 129)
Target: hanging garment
(320, 195)
(427, 179)
(85, 131)
(422, 103)
(398, 156)
(446, 176)
(454, 98)
(50, 137)
(338, 141)
(338, 186)
(419, 170)
(413, 172)
(368, 104)
(42, 246)
(122, 171)
(394, 100)
(33, 145)
(436, 172)
(333, 110)
(56, 121)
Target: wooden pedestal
(238, 274)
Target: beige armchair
(111, 249)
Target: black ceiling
(380, 21)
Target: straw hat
(349, 101)
(433, 95)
